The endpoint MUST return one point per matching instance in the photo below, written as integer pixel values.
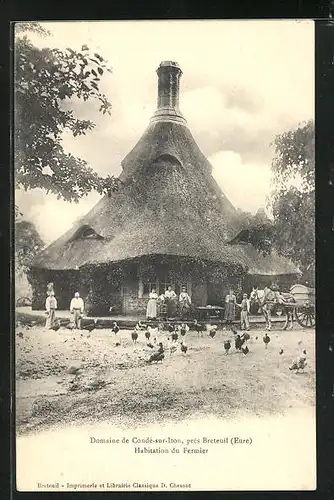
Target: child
(244, 320)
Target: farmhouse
(168, 224)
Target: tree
(27, 244)
(257, 229)
(292, 200)
(46, 80)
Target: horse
(274, 301)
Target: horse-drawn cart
(304, 305)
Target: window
(148, 287)
(166, 160)
(86, 232)
(160, 286)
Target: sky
(243, 82)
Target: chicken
(157, 356)
(172, 349)
(56, 326)
(300, 363)
(234, 330)
(245, 350)
(238, 342)
(153, 331)
(91, 326)
(115, 328)
(199, 327)
(134, 336)
(171, 328)
(174, 336)
(141, 326)
(227, 346)
(183, 329)
(184, 348)
(212, 329)
(266, 340)
(147, 334)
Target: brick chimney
(169, 74)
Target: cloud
(246, 185)
(52, 217)
(243, 82)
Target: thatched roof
(162, 209)
(168, 204)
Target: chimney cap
(172, 64)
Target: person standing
(151, 310)
(288, 305)
(50, 306)
(185, 303)
(170, 299)
(230, 302)
(244, 306)
(77, 309)
(267, 305)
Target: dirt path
(116, 383)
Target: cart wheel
(305, 315)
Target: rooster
(266, 340)
(134, 336)
(227, 346)
(184, 347)
(300, 363)
(115, 328)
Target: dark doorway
(215, 294)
